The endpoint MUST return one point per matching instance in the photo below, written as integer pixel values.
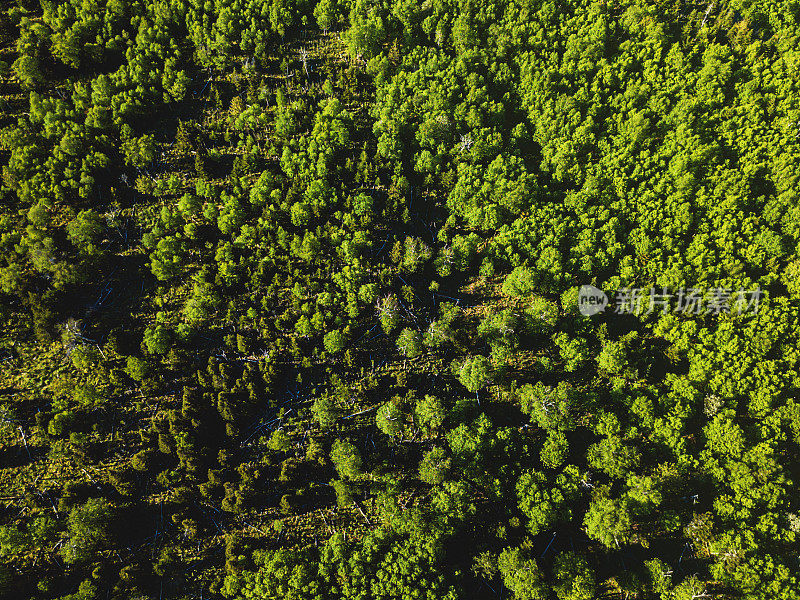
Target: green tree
(279, 441)
(326, 14)
(409, 342)
(137, 368)
(543, 504)
(520, 282)
(13, 541)
(389, 312)
(157, 339)
(609, 522)
(335, 341)
(86, 229)
(282, 573)
(429, 413)
(434, 466)
(690, 588)
(165, 260)
(344, 496)
(346, 458)
(574, 578)
(612, 456)
(475, 372)
(326, 410)
(139, 152)
(521, 575)
(389, 418)
(87, 529)
(555, 449)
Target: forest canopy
(290, 299)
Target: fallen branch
(366, 410)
